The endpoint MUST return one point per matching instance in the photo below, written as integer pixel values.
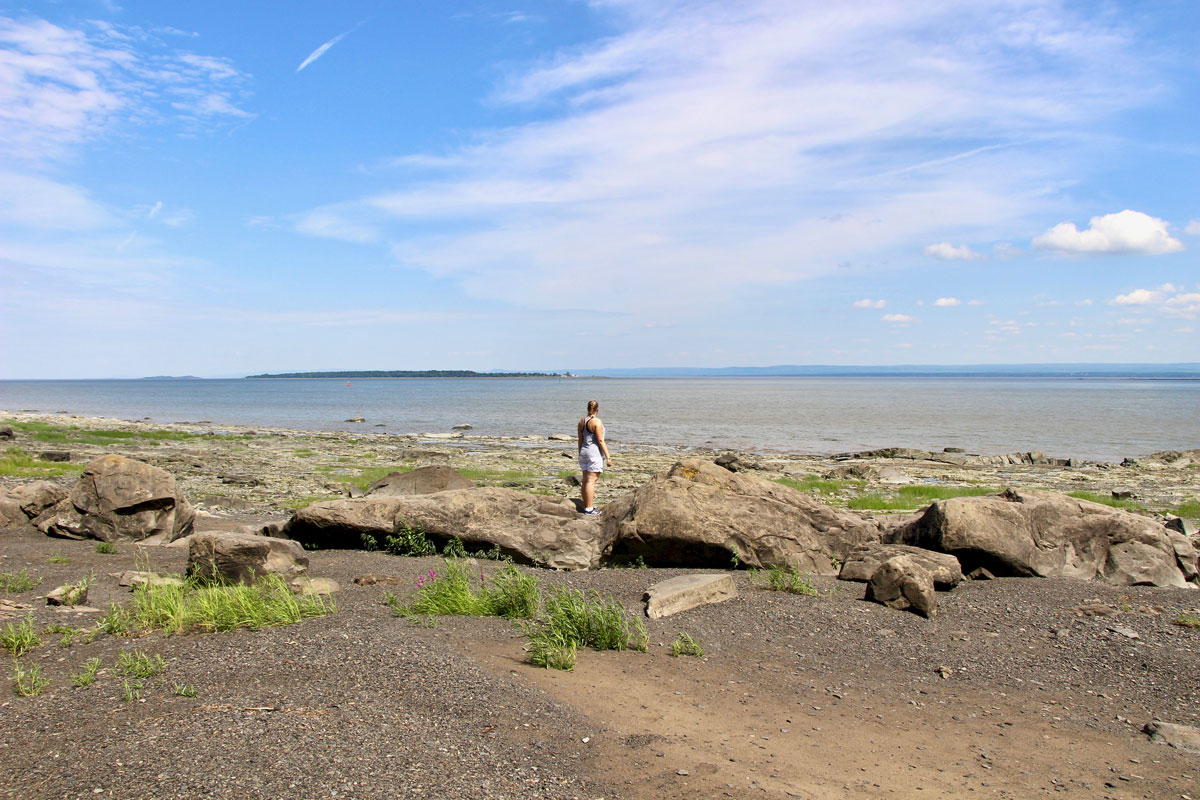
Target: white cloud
(682, 155)
(1087, 301)
(1169, 298)
(898, 318)
(320, 51)
(1185, 330)
(1123, 232)
(947, 302)
(62, 87)
(974, 302)
(1193, 228)
(948, 252)
(868, 303)
(331, 225)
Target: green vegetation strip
(1108, 500)
(199, 608)
(74, 434)
(18, 463)
(911, 497)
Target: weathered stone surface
(1181, 737)
(981, 574)
(532, 528)
(120, 498)
(1185, 526)
(238, 557)
(1037, 533)
(903, 583)
(698, 514)
(20, 504)
(863, 561)
(687, 591)
(372, 579)
(425, 480)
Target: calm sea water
(1103, 419)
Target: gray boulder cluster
(695, 514)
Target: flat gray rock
(1181, 737)
(687, 591)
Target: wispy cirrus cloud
(323, 49)
(705, 149)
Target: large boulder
(903, 583)
(243, 558)
(424, 480)
(27, 501)
(697, 514)
(531, 528)
(1038, 533)
(863, 561)
(120, 498)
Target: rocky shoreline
(1018, 686)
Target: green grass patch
(912, 497)
(685, 645)
(18, 638)
(183, 690)
(106, 548)
(86, 676)
(360, 475)
(304, 452)
(815, 484)
(137, 664)
(28, 682)
(572, 619)
(74, 434)
(59, 558)
(1189, 509)
(784, 579)
(131, 691)
(17, 582)
(1108, 500)
(200, 608)
(18, 463)
(306, 501)
(454, 591)
(69, 634)
(1189, 619)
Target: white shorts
(591, 459)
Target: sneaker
(592, 511)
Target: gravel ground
(363, 704)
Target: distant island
(411, 373)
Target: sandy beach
(1017, 688)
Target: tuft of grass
(207, 608)
(131, 691)
(363, 475)
(785, 579)
(17, 582)
(59, 558)
(77, 592)
(183, 690)
(1108, 500)
(304, 452)
(19, 638)
(117, 622)
(86, 676)
(513, 594)
(572, 619)
(28, 682)
(69, 634)
(1188, 619)
(106, 548)
(306, 501)
(138, 664)
(685, 645)
(18, 463)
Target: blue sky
(224, 188)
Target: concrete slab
(688, 591)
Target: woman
(593, 455)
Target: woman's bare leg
(588, 489)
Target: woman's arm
(579, 434)
(600, 441)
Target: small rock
(1122, 494)
(306, 585)
(687, 591)
(945, 672)
(54, 455)
(7, 433)
(981, 574)
(356, 419)
(462, 427)
(1126, 632)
